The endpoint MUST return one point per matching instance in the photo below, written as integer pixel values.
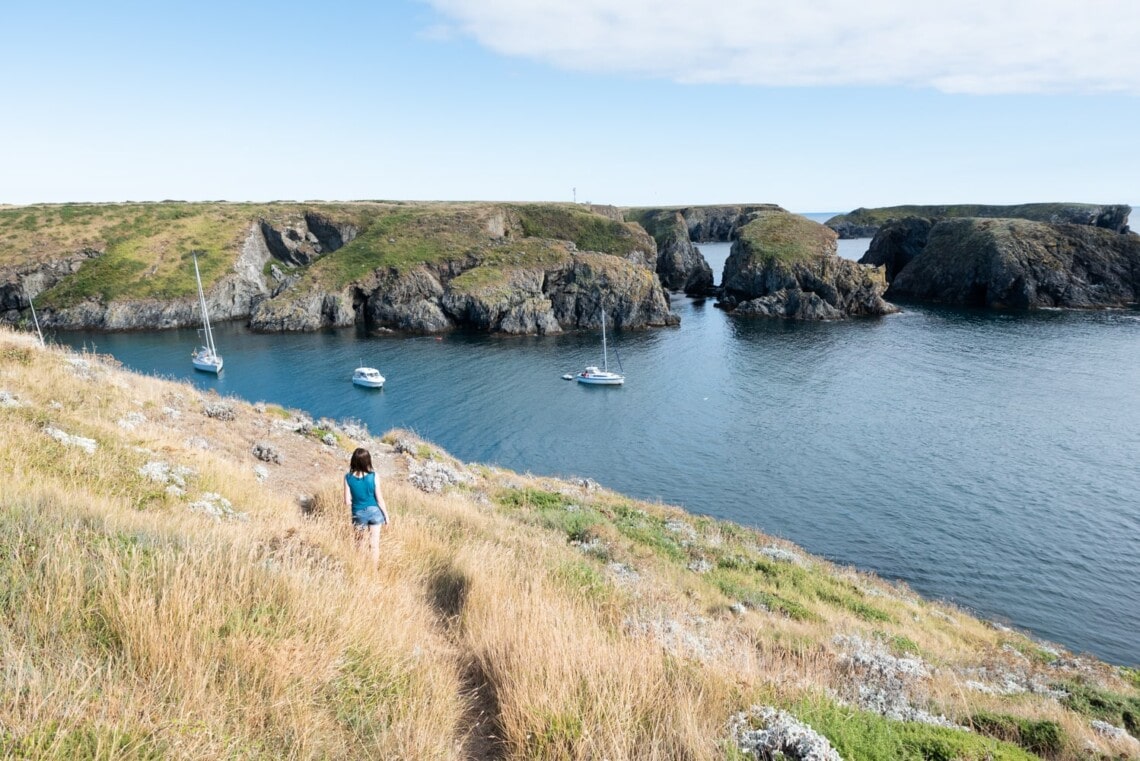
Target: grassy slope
(148, 246)
(786, 237)
(1041, 212)
(569, 619)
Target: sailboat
(601, 377)
(206, 357)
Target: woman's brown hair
(361, 461)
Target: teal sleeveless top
(363, 491)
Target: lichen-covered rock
(223, 412)
(785, 265)
(407, 301)
(779, 735)
(1020, 264)
(303, 311)
(502, 300)
(594, 287)
(266, 453)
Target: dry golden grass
(135, 626)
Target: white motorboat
(369, 377)
(596, 376)
(205, 358)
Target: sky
(817, 105)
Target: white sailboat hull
(602, 376)
(594, 381)
(206, 362)
(596, 377)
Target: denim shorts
(369, 516)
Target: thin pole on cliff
(36, 320)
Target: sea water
(990, 459)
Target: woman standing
(362, 494)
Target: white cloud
(960, 46)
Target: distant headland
(1074, 256)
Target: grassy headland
(146, 248)
(163, 595)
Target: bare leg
(374, 541)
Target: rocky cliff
(785, 265)
(1021, 264)
(19, 284)
(680, 264)
(897, 243)
(865, 223)
(515, 268)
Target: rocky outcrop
(303, 241)
(20, 283)
(897, 243)
(709, 224)
(785, 265)
(409, 301)
(1020, 264)
(865, 223)
(233, 297)
(680, 264)
(523, 300)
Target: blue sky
(809, 105)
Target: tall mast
(202, 306)
(36, 319)
(605, 354)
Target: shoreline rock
(785, 265)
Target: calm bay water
(989, 459)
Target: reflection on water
(986, 458)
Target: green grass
(88, 741)
(796, 588)
(552, 511)
(582, 577)
(785, 237)
(866, 736)
(1043, 737)
(588, 231)
(744, 587)
(648, 531)
(147, 249)
(1118, 710)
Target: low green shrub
(1045, 738)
